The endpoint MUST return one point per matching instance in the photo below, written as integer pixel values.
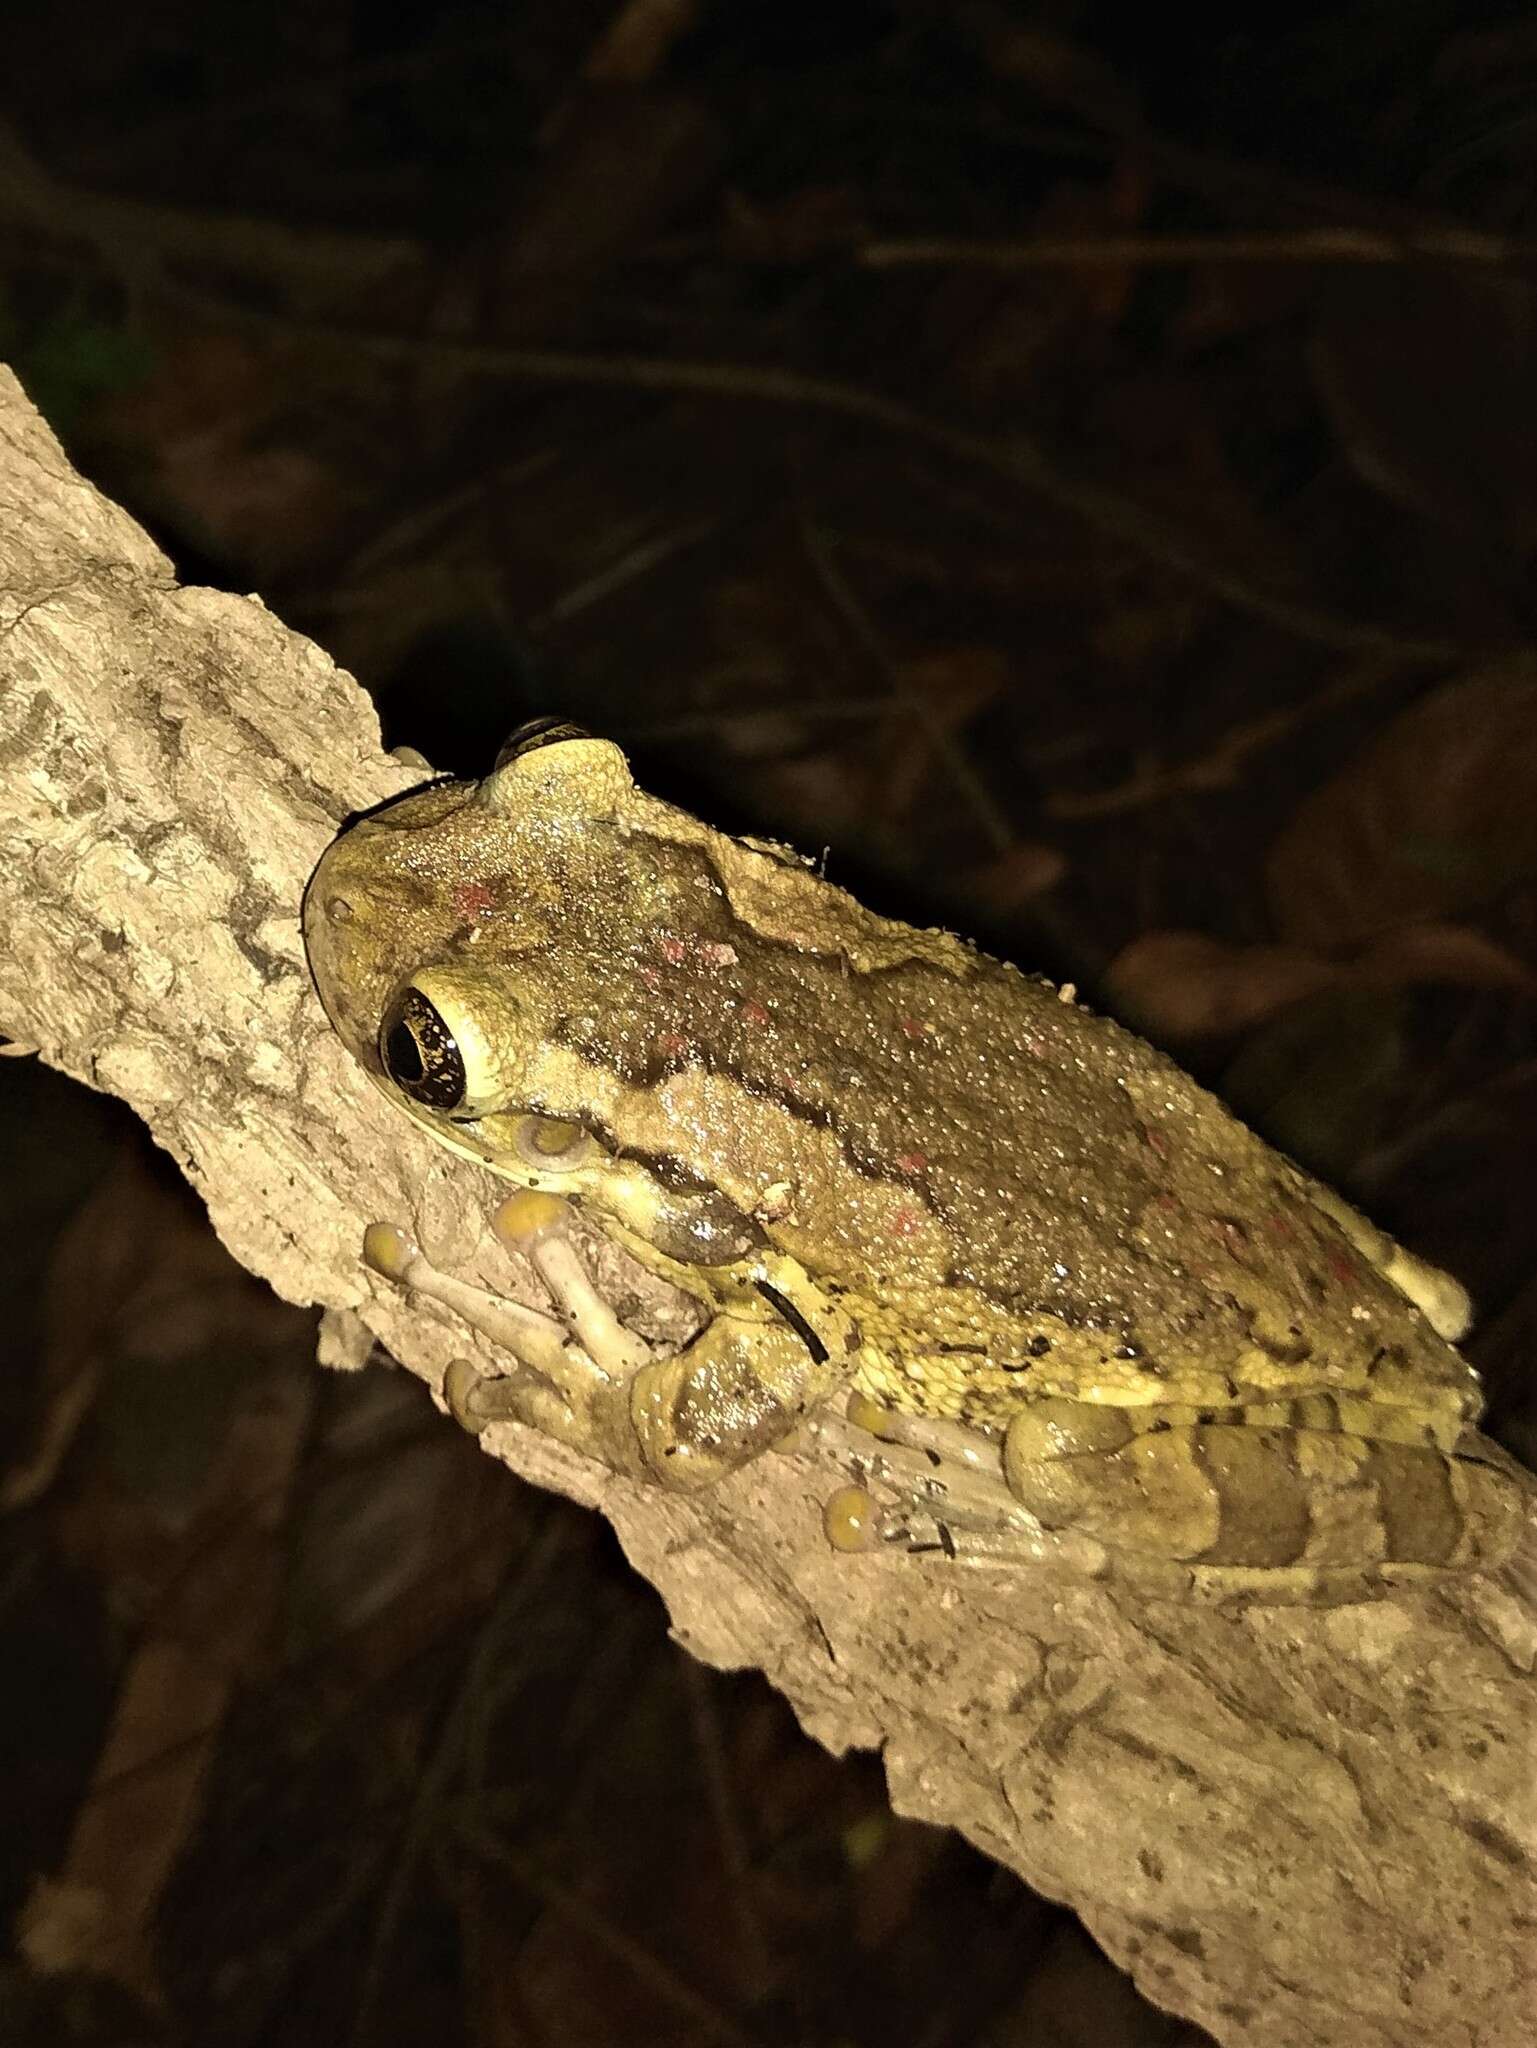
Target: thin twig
(125, 233)
(1219, 766)
(113, 225)
(754, 1952)
(1303, 245)
(820, 553)
(424, 1813)
(1013, 456)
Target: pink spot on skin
(1280, 1227)
(1167, 1202)
(673, 1045)
(1342, 1269)
(914, 1027)
(472, 900)
(1156, 1142)
(912, 1162)
(906, 1223)
(675, 948)
(753, 1013)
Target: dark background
(1074, 463)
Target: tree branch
(1290, 1826)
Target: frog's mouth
(461, 1135)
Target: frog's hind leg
(1225, 1491)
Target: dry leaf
(638, 41)
(212, 430)
(1016, 875)
(1185, 985)
(1450, 954)
(1385, 340)
(1437, 815)
(1320, 1076)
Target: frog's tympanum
(1056, 1286)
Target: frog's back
(952, 1131)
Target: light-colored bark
(1292, 1826)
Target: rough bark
(1292, 1826)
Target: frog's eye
(418, 1053)
(534, 733)
(550, 762)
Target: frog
(1049, 1284)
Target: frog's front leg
(769, 1355)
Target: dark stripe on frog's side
(1063, 1167)
(651, 1071)
(702, 1227)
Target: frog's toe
(576, 1360)
(931, 1486)
(390, 1250)
(851, 1520)
(461, 1391)
(475, 1400)
(949, 1475)
(536, 1339)
(537, 1227)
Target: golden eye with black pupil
(418, 1053)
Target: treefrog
(1057, 1285)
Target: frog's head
(480, 949)
(456, 882)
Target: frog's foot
(1227, 1494)
(571, 1360)
(929, 1485)
(739, 1386)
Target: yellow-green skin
(888, 1162)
